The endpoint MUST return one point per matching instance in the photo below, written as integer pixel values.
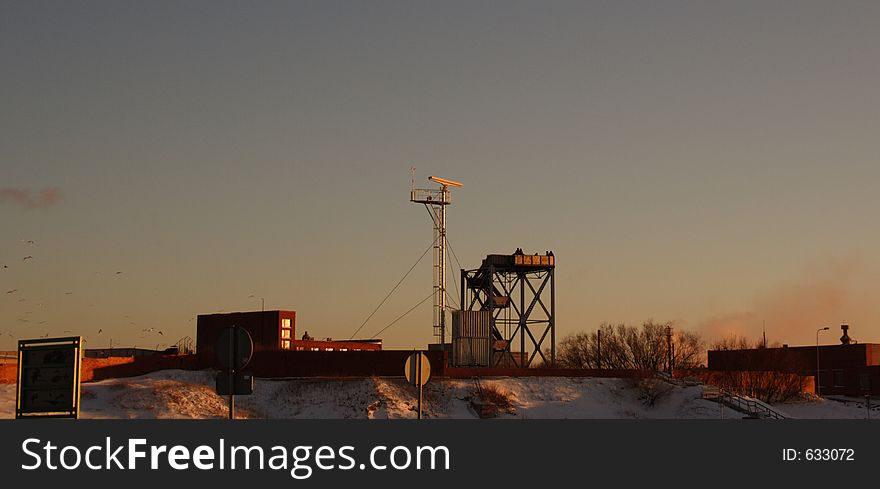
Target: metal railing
(185, 345)
(751, 407)
(430, 196)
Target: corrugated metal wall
(470, 338)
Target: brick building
(848, 368)
(270, 331)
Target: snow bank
(190, 394)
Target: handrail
(740, 403)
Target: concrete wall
(94, 369)
(276, 364)
(337, 363)
(465, 372)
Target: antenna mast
(436, 200)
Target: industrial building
(270, 331)
(848, 368)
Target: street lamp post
(818, 383)
(262, 302)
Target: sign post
(234, 349)
(417, 371)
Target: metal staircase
(748, 406)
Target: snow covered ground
(836, 408)
(190, 394)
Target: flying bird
(100, 331)
(118, 273)
(12, 291)
(28, 241)
(68, 293)
(29, 257)
(161, 333)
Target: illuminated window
(286, 333)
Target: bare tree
(628, 347)
(772, 375)
(612, 348)
(733, 341)
(689, 350)
(577, 351)
(647, 346)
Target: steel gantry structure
(519, 293)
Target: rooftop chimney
(845, 339)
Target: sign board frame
(25, 380)
(239, 346)
(417, 371)
(237, 384)
(238, 351)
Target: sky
(714, 164)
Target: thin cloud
(30, 199)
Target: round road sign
(234, 348)
(417, 369)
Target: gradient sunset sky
(716, 164)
